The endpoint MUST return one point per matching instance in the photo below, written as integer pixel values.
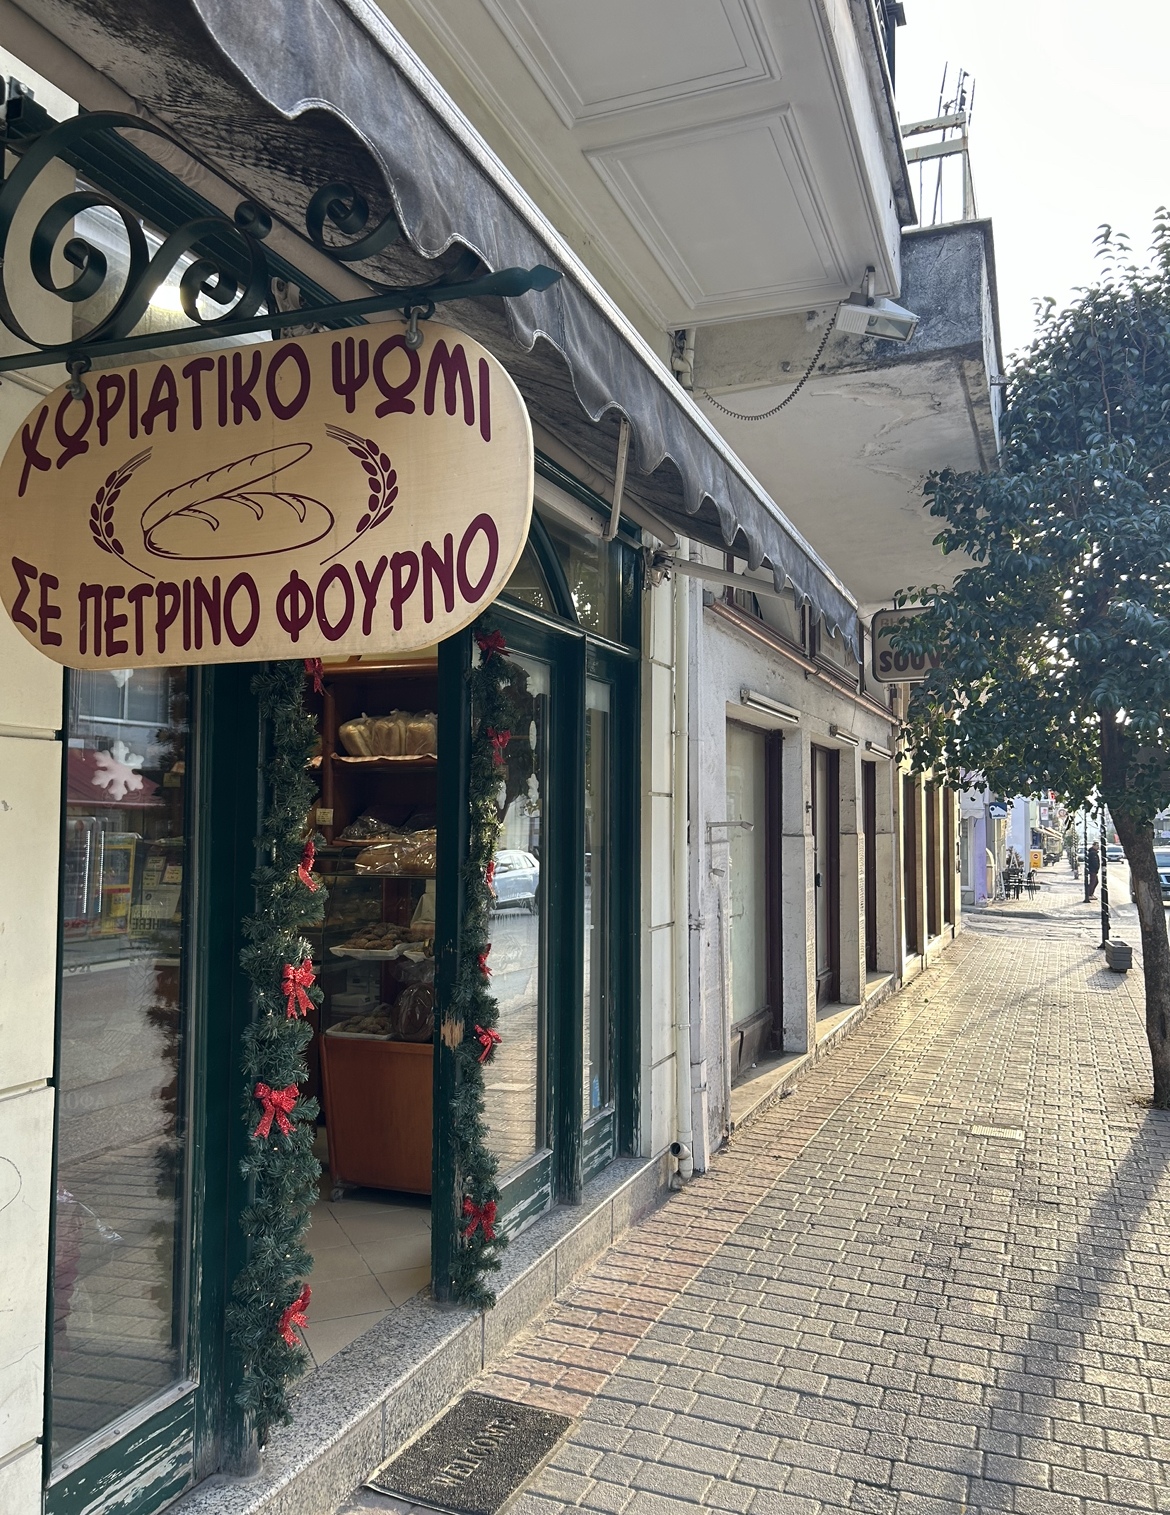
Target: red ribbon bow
(313, 669)
(489, 1040)
(483, 962)
(277, 1103)
(295, 1316)
(293, 985)
(305, 866)
(489, 642)
(499, 740)
(489, 875)
(481, 1215)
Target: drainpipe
(681, 1147)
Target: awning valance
(280, 100)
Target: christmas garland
(498, 698)
(269, 1298)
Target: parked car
(1162, 858)
(516, 879)
(1114, 853)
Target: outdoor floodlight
(878, 317)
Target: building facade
(710, 861)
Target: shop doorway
(371, 1060)
(826, 872)
(950, 862)
(910, 919)
(933, 922)
(869, 836)
(753, 937)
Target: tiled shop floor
(931, 1281)
(371, 1251)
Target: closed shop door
(827, 872)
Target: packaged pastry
(382, 857)
(413, 1014)
(355, 737)
(387, 734)
(422, 735)
(370, 827)
(419, 853)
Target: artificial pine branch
(281, 1167)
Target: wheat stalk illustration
(101, 512)
(381, 478)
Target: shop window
(529, 585)
(119, 1260)
(593, 570)
(515, 1088)
(598, 756)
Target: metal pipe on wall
(682, 933)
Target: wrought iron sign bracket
(228, 263)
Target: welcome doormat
(474, 1458)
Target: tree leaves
(1062, 621)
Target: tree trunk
(1137, 837)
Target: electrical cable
(787, 400)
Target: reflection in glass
(514, 1094)
(593, 570)
(747, 871)
(118, 1296)
(597, 1079)
(528, 583)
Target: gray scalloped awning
(283, 99)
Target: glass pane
(597, 739)
(118, 1270)
(593, 569)
(528, 583)
(515, 1079)
(747, 878)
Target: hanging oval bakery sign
(329, 494)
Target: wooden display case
(376, 1093)
(378, 1112)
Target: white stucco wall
(658, 1076)
(30, 826)
(729, 659)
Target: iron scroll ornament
(245, 289)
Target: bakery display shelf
(374, 873)
(380, 760)
(372, 954)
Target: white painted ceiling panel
(729, 211)
(607, 56)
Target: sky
(1070, 128)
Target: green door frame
(198, 1429)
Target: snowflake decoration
(114, 771)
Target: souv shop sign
(336, 493)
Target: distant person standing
(1070, 848)
(1092, 869)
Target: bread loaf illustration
(233, 512)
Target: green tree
(1055, 638)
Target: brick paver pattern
(931, 1280)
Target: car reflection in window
(516, 880)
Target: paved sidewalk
(932, 1280)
